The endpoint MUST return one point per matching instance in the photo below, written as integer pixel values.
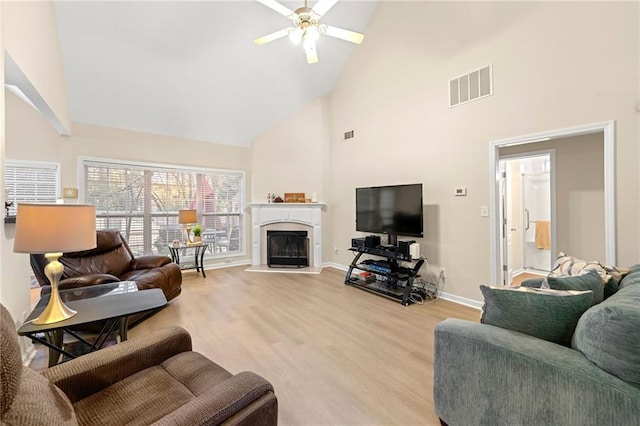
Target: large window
(143, 201)
(30, 182)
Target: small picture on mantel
(294, 197)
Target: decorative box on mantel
(286, 216)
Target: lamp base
(189, 242)
(56, 310)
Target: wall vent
(469, 87)
(348, 135)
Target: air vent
(469, 87)
(348, 135)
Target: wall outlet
(336, 250)
(444, 274)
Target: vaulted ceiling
(191, 69)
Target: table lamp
(187, 217)
(52, 229)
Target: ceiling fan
(306, 27)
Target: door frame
(608, 130)
(551, 153)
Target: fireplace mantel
(309, 214)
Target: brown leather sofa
(154, 379)
(111, 261)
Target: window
(142, 201)
(30, 182)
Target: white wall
(555, 65)
(294, 156)
(31, 39)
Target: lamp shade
(51, 228)
(187, 216)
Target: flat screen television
(393, 210)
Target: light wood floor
(335, 355)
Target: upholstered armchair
(155, 379)
(111, 261)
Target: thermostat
(461, 191)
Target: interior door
(536, 195)
(507, 270)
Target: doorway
(527, 207)
(605, 205)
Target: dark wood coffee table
(110, 304)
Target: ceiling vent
(469, 87)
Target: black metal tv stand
(388, 278)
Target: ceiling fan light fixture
(296, 35)
(311, 34)
(306, 28)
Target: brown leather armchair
(111, 261)
(155, 379)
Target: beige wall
(556, 65)
(289, 157)
(103, 142)
(4, 243)
(31, 39)
(294, 156)
(29, 36)
(29, 137)
(579, 193)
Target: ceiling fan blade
(340, 33)
(270, 37)
(281, 9)
(312, 55)
(323, 6)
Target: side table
(199, 250)
(110, 303)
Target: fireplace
(286, 217)
(288, 249)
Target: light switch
(484, 211)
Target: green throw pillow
(632, 278)
(532, 282)
(589, 281)
(608, 334)
(547, 314)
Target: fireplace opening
(288, 249)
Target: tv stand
(388, 278)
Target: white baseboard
(227, 264)
(335, 265)
(461, 300)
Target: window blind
(30, 182)
(143, 201)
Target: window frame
(43, 165)
(241, 214)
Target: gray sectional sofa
(488, 375)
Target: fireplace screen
(287, 248)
